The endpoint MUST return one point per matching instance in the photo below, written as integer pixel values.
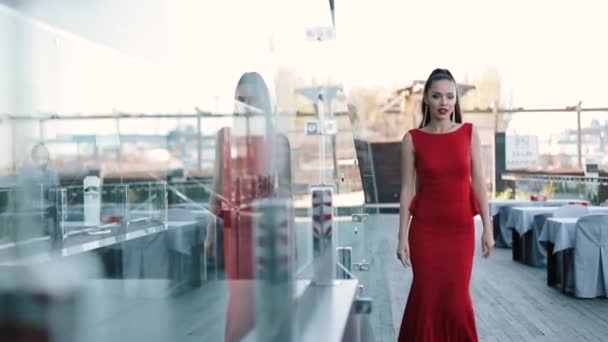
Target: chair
(591, 257)
(571, 211)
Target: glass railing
(176, 175)
(591, 188)
(72, 219)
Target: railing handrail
(546, 177)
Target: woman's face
(441, 99)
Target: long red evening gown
(442, 240)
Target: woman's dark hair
(439, 75)
(262, 100)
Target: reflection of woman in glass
(252, 162)
(37, 175)
(252, 92)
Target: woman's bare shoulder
(408, 142)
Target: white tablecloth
(496, 204)
(560, 232)
(503, 209)
(522, 218)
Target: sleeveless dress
(442, 240)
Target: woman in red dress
(442, 160)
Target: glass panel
(155, 169)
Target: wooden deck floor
(512, 301)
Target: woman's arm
(481, 195)
(407, 194)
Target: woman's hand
(403, 253)
(487, 243)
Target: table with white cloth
(559, 236)
(501, 208)
(496, 204)
(521, 223)
(521, 219)
(560, 231)
(499, 211)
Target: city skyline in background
(546, 54)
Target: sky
(549, 53)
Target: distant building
(594, 144)
(522, 152)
